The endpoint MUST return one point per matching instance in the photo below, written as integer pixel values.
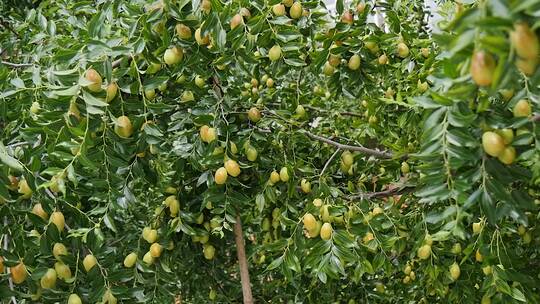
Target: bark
(242, 261)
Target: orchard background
(258, 151)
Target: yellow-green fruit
(379, 287)
(270, 82)
(428, 239)
(254, 114)
(201, 40)
(149, 235)
(477, 227)
(174, 206)
(405, 168)
(493, 143)
(150, 94)
(18, 273)
(38, 210)
(284, 174)
(62, 270)
(93, 76)
(507, 135)
(354, 62)
(487, 270)
(522, 108)
(383, 59)
(233, 147)
(377, 210)
(48, 280)
(187, 96)
(130, 260)
(372, 46)
(89, 262)
(24, 189)
(527, 66)
(57, 218)
(407, 270)
(300, 111)
(317, 202)
(209, 252)
(326, 231)
(35, 107)
(74, 299)
(296, 10)
(212, 295)
(521, 230)
(424, 251)
(183, 31)
(422, 86)
(220, 176)
(148, 259)
(278, 9)
(507, 94)
(305, 186)
(274, 53)
(454, 271)
(425, 52)
(199, 81)
(478, 256)
(525, 41)
(251, 153)
(347, 17)
(402, 50)
(507, 156)
(482, 68)
(527, 238)
(485, 299)
(155, 250)
(310, 223)
(334, 60)
(109, 298)
(153, 68)
(274, 177)
(232, 167)
(211, 135)
(347, 158)
(325, 213)
(456, 249)
(236, 20)
(59, 250)
(111, 90)
(173, 55)
(328, 69)
(123, 127)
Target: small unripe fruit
(456, 249)
(57, 218)
(274, 53)
(347, 17)
(206, 6)
(284, 174)
(199, 81)
(201, 40)
(93, 76)
(209, 251)
(254, 114)
(59, 250)
(507, 135)
(508, 155)
(220, 176)
(455, 271)
(383, 59)
(525, 41)
(183, 31)
(424, 252)
(148, 259)
(174, 206)
(173, 55)
(18, 273)
(407, 269)
(354, 62)
(347, 158)
(155, 250)
(24, 189)
(150, 94)
(89, 262)
(130, 260)
(251, 153)
(74, 299)
(521, 230)
(38, 210)
(153, 68)
(300, 111)
(317, 202)
(522, 108)
(123, 127)
(402, 50)
(232, 167)
(149, 235)
(425, 52)
(360, 7)
(487, 270)
(482, 68)
(527, 66)
(111, 90)
(477, 227)
(48, 280)
(328, 69)
(236, 21)
(478, 256)
(305, 186)
(405, 168)
(187, 96)
(62, 270)
(274, 177)
(310, 223)
(278, 9)
(372, 46)
(35, 107)
(492, 143)
(296, 10)
(326, 231)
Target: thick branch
(380, 194)
(242, 261)
(376, 153)
(16, 65)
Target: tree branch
(535, 118)
(16, 65)
(340, 113)
(376, 153)
(379, 194)
(242, 261)
(8, 27)
(6, 243)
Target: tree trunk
(242, 261)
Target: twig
(379, 194)
(340, 113)
(16, 65)
(351, 114)
(6, 243)
(117, 62)
(329, 161)
(242, 261)
(381, 154)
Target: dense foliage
(366, 157)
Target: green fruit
(48, 280)
(274, 53)
(220, 177)
(278, 9)
(183, 31)
(95, 80)
(89, 262)
(305, 186)
(508, 155)
(347, 158)
(455, 271)
(492, 143)
(111, 90)
(525, 41)
(402, 50)
(199, 81)
(507, 135)
(123, 127)
(173, 55)
(284, 174)
(522, 108)
(254, 115)
(62, 270)
(130, 260)
(326, 231)
(296, 10)
(354, 62)
(150, 94)
(424, 252)
(251, 153)
(328, 69)
(405, 168)
(209, 251)
(482, 68)
(74, 299)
